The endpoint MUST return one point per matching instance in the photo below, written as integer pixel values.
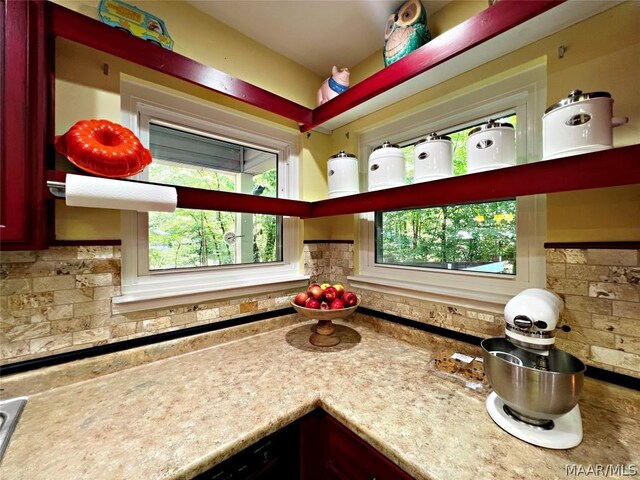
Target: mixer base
(566, 432)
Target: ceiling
(314, 33)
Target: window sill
(459, 297)
(150, 297)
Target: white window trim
(141, 102)
(524, 92)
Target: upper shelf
(498, 30)
(608, 168)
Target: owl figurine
(406, 31)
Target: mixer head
(531, 318)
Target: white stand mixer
(536, 386)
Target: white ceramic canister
(342, 175)
(432, 156)
(386, 167)
(579, 123)
(490, 146)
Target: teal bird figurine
(406, 31)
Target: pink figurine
(333, 86)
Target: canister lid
(386, 145)
(577, 96)
(342, 154)
(490, 124)
(433, 136)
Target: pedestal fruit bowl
(324, 330)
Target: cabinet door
(330, 451)
(23, 97)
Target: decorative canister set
(580, 123)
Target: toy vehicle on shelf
(139, 23)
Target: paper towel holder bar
(57, 189)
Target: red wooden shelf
(224, 201)
(487, 24)
(79, 28)
(484, 26)
(608, 168)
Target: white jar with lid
(490, 146)
(432, 156)
(342, 175)
(386, 167)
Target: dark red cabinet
(330, 451)
(23, 130)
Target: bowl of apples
(325, 303)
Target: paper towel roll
(84, 191)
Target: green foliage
(194, 238)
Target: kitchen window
(193, 255)
(473, 255)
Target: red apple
(324, 306)
(349, 299)
(300, 299)
(315, 291)
(336, 304)
(312, 303)
(339, 288)
(330, 294)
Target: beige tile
(616, 358)
(90, 336)
(556, 270)
(574, 255)
(568, 286)
(14, 349)
(621, 326)
(103, 293)
(70, 325)
(208, 314)
(123, 329)
(628, 344)
(589, 336)
(93, 280)
(58, 253)
(625, 275)
(24, 256)
(53, 312)
(76, 295)
(50, 343)
(27, 301)
(16, 285)
(612, 257)
(248, 307)
(593, 273)
(28, 331)
(619, 291)
(229, 311)
(184, 318)
(600, 306)
(554, 255)
(580, 350)
(574, 318)
(101, 251)
(626, 309)
(59, 282)
(155, 324)
(92, 308)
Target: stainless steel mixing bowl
(538, 389)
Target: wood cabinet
(23, 104)
(330, 451)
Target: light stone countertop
(179, 416)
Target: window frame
(142, 289)
(522, 92)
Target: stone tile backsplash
(59, 300)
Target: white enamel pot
(432, 157)
(490, 146)
(386, 167)
(342, 175)
(580, 123)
